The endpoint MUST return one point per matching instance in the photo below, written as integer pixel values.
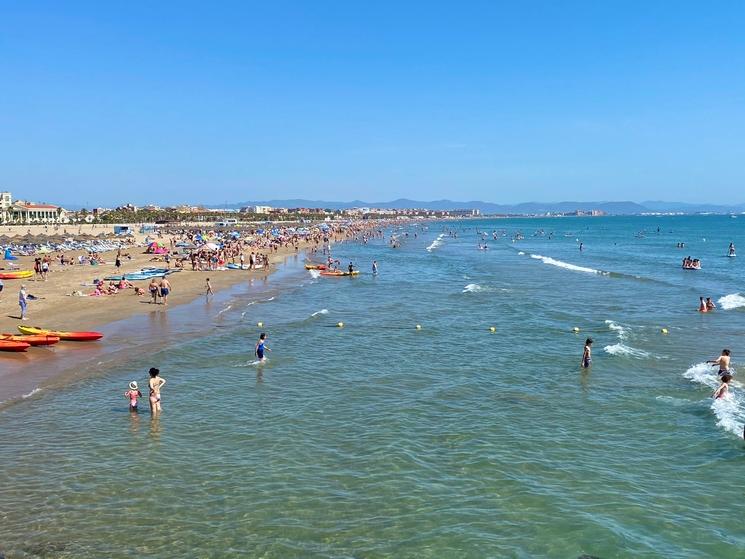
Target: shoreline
(138, 333)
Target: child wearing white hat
(133, 393)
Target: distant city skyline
(166, 103)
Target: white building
(257, 209)
(6, 201)
(29, 212)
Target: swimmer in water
(710, 306)
(702, 305)
(587, 354)
(723, 389)
(732, 249)
(723, 362)
(375, 268)
(155, 383)
(261, 347)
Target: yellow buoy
(492, 329)
(664, 330)
(575, 329)
(340, 325)
(418, 326)
(260, 324)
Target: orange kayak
(19, 274)
(13, 346)
(30, 339)
(70, 336)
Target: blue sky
(104, 102)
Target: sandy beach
(56, 308)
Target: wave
(731, 301)
(436, 243)
(520, 253)
(729, 411)
(226, 309)
(34, 391)
(620, 331)
(315, 274)
(322, 311)
(567, 265)
(472, 288)
(625, 351)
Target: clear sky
(109, 102)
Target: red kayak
(13, 346)
(30, 339)
(70, 336)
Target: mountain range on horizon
(609, 207)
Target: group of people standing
(159, 290)
(155, 383)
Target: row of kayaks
(32, 336)
(17, 274)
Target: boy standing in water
(261, 347)
(209, 287)
(723, 362)
(587, 354)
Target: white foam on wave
(472, 288)
(625, 351)
(322, 311)
(731, 301)
(620, 331)
(226, 309)
(436, 243)
(521, 253)
(315, 274)
(730, 410)
(566, 265)
(34, 391)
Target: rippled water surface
(379, 439)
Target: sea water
(378, 439)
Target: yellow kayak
(71, 336)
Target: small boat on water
(339, 273)
(315, 267)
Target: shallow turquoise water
(380, 440)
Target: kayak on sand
(69, 336)
(13, 346)
(20, 274)
(33, 340)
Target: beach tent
(156, 248)
(9, 255)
